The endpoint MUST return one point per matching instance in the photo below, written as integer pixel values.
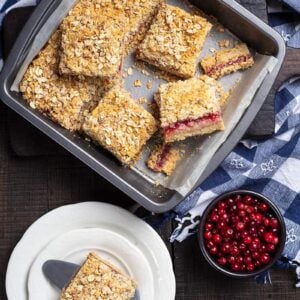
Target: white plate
(82, 216)
(73, 246)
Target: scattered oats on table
(137, 83)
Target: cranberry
(237, 198)
(222, 261)
(255, 255)
(265, 258)
(235, 267)
(274, 223)
(238, 236)
(242, 247)
(221, 225)
(249, 209)
(228, 232)
(257, 263)
(263, 248)
(208, 226)
(234, 219)
(261, 230)
(225, 248)
(230, 201)
(248, 259)
(222, 205)
(275, 231)
(269, 237)
(224, 217)
(266, 221)
(247, 252)
(271, 247)
(239, 259)
(252, 230)
(244, 234)
(241, 206)
(213, 250)
(263, 207)
(240, 226)
(254, 246)
(234, 251)
(258, 218)
(210, 244)
(231, 259)
(243, 267)
(248, 199)
(227, 239)
(246, 219)
(217, 238)
(250, 267)
(214, 217)
(275, 240)
(242, 213)
(208, 235)
(247, 240)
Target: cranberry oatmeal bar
(189, 108)
(64, 99)
(120, 125)
(163, 159)
(96, 34)
(99, 280)
(174, 41)
(227, 61)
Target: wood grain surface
(31, 186)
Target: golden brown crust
(174, 41)
(120, 125)
(227, 61)
(64, 99)
(163, 158)
(96, 34)
(97, 279)
(189, 99)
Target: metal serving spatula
(60, 274)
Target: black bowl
(280, 246)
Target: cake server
(60, 273)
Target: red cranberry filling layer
(215, 68)
(162, 159)
(187, 124)
(241, 233)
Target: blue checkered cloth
(269, 167)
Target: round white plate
(74, 246)
(82, 216)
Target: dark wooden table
(31, 186)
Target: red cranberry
(222, 261)
(241, 206)
(247, 240)
(261, 230)
(234, 251)
(215, 217)
(252, 223)
(234, 219)
(271, 247)
(249, 209)
(248, 199)
(242, 247)
(228, 232)
(238, 236)
(274, 223)
(243, 267)
(239, 259)
(227, 239)
(213, 250)
(255, 255)
(242, 213)
(254, 246)
(265, 258)
(250, 267)
(275, 231)
(246, 219)
(235, 267)
(222, 205)
(269, 237)
(257, 263)
(247, 252)
(217, 238)
(244, 234)
(258, 218)
(208, 235)
(221, 225)
(252, 230)
(237, 198)
(263, 248)
(263, 207)
(224, 217)
(240, 226)
(225, 248)
(230, 201)
(208, 226)
(231, 259)
(275, 240)
(210, 244)
(266, 221)
(248, 259)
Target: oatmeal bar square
(64, 99)
(97, 34)
(174, 41)
(227, 61)
(98, 279)
(190, 108)
(163, 159)
(120, 125)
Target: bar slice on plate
(163, 158)
(189, 108)
(99, 279)
(120, 125)
(64, 99)
(227, 61)
(174, 41)
(96, 35)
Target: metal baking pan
(158, 199)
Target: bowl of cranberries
(242, 233)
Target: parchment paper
(197, 151)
